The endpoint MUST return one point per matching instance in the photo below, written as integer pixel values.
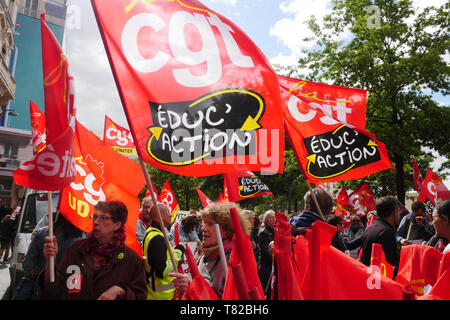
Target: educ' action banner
(200, 97)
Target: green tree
(397, 54)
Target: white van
(33, 210)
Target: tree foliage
(398, 55)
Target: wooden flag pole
(163, 228)
(223, 259)
(50, 234)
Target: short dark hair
(417, 205)
(190, 222)
(324, 199)
(334, 220)
(386, 206)
(443, 208)
(117, 209)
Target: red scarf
(102, 253)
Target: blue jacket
(424, 233)
(305, 219)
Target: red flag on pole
(118, 137)
(98, 179)
(289, 280)
(342, 207)
(361, 200)
(242, 282)
(38, 128)
(326, 149)
(203, 198)
(155, 192)
(432, 191)
(168, 198)
(53, 168)
(417, 176)
(244, 185)
(200, 97)
(378, 260)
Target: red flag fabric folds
(54, 167)
(203, 198)
(200, 97)
(289, 280)
(244, 185)
(38, 128)
(417, 176)
(378, 260)
(98, 179)
(418, 267)
(341, 207)
(118, 137)
(242, 282)
(168, 198)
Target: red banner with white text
(200, 97)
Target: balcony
(7, 84)
(5, 11)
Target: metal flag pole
(223, 260)
(50, 234)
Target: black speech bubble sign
(250, 186)
(334, 153)
(217, 124)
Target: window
(36, 208)
(11, 150)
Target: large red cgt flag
(326, 149)
(346, 105)
(200, 97)
(417, 176)
(98, 179)
(244, 185)
(361, 200)
(118, 137)
(54, 167)
(38, 128)
(433, 190)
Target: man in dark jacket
(381, 231)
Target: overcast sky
(277, 27)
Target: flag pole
(223, 260)
(163, 228)
(50, 234)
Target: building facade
(24, 65)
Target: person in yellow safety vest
(158, 264)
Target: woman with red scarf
(100, 267)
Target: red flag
(37, 128)
(242, 282)
(328, 150)
(361, 200)
(433, 189)
(53, 168)
(289, 280)
(203, 198)
(99, 180)
(244, 185)
(378, 260)
(168, 198)
(417, 176)
(418, 267)
(341, 205)
(200, 97)
(118, 137)
(198, 289)
(346, 105)
(226, 194)
(220, 198)
(155, 192)
(351, 280)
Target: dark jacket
(380, 231)
(265, 257)
(408, 221)
(126, 269)
(302, 221)
(8, 230)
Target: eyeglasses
(101, 217)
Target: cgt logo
(215, 125)
(120, 138)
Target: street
(4, 278)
